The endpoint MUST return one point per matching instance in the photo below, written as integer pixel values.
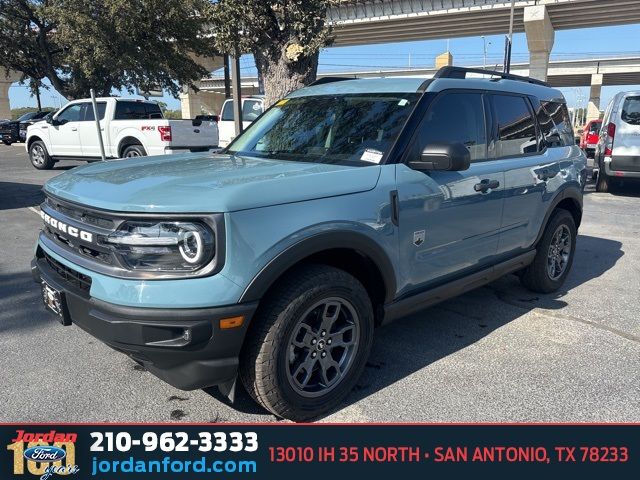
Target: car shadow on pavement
(414, 342)
(19, 195)
(21, 306)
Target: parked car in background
(343, 208)
(24, 124)
(130, 128)
(11, 131)
(617, 154)
(252, 108)
(589, 137)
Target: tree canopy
(284, 36)
(106, 44)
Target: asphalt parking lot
(497, 354)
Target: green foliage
(105, 44)
(285, 37)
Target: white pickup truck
(129, 128)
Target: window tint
(88, 111)
(516, 127)
(631, 111)
(251, 109)
(27, 116)
(455, 118)
(594, 127)
(137, 111)
(227, 111)
(560, 116)
(71, 113)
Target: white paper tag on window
(370, 155)
(403, 102)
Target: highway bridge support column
(540, 37)
(593, 109)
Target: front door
(449, 222)
(64, 136)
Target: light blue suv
(346, 205)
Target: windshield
(350, 128)
(27, 116)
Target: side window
(130, 111)
(560, 116)
(550, 137)
(88, 111)
(516, 126)
(455, 118)
(251, 109)
(227, 111)
(153, 110)
(71, 113)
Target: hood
(197, 183)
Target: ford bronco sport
(347, 204)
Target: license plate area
(56, 302)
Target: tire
(540, 276)
(132, 151)
(39, 156)
(287, 333)
(6, 142)
(603, 183)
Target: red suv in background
(589, 137)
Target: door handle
(74, 129)
(486, 184)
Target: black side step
(422, 300)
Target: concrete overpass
(595, 73)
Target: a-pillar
(593, 109)
(540, 36)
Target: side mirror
(49, 119)
(443, 156)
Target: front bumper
(184, 347)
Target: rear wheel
(554, 255)
(39, 156)
(603, 182)
(309, 343)
(133, 151)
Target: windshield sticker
(280, 103)
(403, 102)
(372, 156)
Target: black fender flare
(571, 192)
(317, 243)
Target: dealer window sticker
(372, 156)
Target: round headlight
(191, 246)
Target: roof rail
(323, 80)
(461, 72)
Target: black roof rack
(323, 80)
(461, 72)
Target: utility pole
(509, 40)
(484, 51)
(237, 93)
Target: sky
(576, 44)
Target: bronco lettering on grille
(65, 228)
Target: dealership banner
(200, 451)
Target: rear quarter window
(560, 116)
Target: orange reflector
(233, 322)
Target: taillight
(611, 133)
(165, 133)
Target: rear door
(449, 223)
(64, 137)
(626, 144)
(531, 169)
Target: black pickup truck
(16, 130)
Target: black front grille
(77, 213)
(71, 276)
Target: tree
(284, 36)
(105, 44)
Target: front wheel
(39, 156)
(6, 142)
(554, 255)
(309, 343)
